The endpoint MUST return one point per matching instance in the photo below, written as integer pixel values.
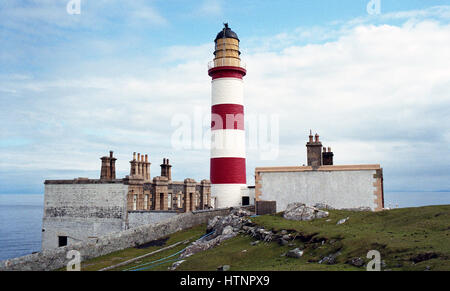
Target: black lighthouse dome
(226, 33)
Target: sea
(21, 218)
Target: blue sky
(72, 87)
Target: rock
(223, 268)
(244, 251)
(227, 230)
(323, 206)
(284, 232)
(282, 242)
(176, 264)
(211, 223)
(295, 253)
(357, 262)
(240, 212)
(254, 243)
(286, 237)
(330, 260)
(342, 221)
(203, 245)
(301, 212)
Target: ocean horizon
(21, 217)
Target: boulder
(357, 262)
(342, 221)
(302, 212)
(223, 268)
(330, 260)
(323, 206)
(176, 264)
(295, 253)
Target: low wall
(139, 218)
(56, 258)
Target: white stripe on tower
(227, 91)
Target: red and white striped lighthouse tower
(227, 170)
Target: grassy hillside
(408, 239)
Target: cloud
(376, 93)
(211, 8)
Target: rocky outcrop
(219, 229)
(302, 212)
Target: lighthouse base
(227, 195)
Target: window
(245, 200)
(62, 241)
(135, 202)
(146, 202)
(169, 201)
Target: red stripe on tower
(227, 116)
(228, 171)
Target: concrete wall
(82, 211)
(56, 258)
(138, 218)
(337, 186)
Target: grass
(408, 239)
(124, 255)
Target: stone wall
(82, 211)
(56, 258)
(337, 186)
(138, 218)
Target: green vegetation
(408, 239)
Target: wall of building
(337, 186)
(56, 258)
(82, 210)
(138, 218)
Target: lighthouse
(227, 169)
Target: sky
(118, 76)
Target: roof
(226, 33)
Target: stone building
(162, 193)
(321, 182)
(83, 209)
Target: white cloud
(211, 8)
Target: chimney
(108, 170)
(133, 166)
(112, 167)
(105, 172)
(327, 157)
(147, 169)
(166, 170)
(314, 151)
